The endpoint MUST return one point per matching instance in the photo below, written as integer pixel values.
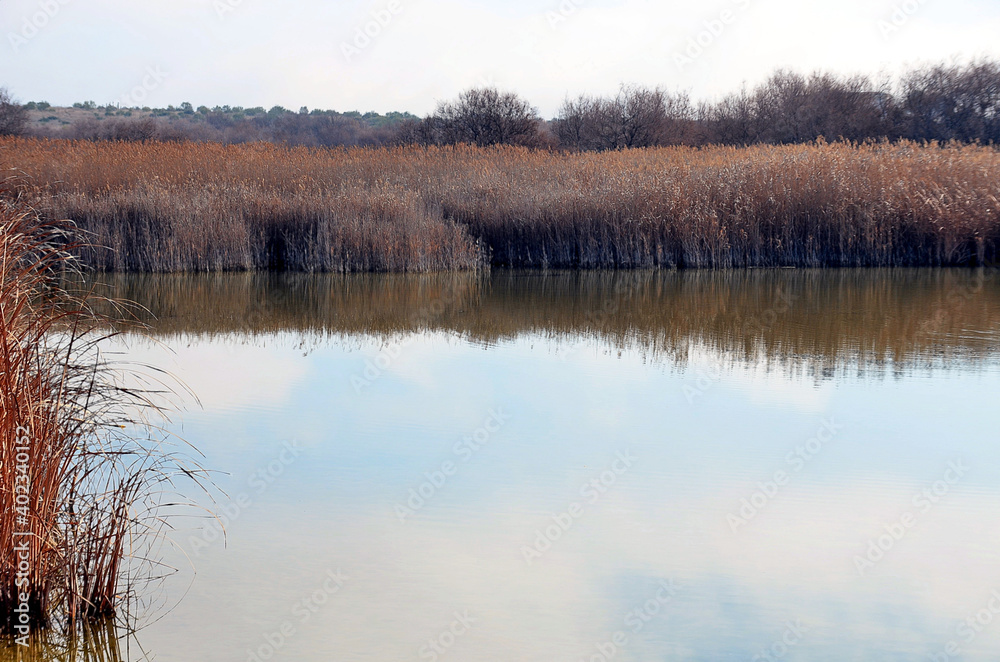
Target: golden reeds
(80, 469)
(200, 206)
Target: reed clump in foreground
(189, 206)
(82, 474)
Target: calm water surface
(759, 465)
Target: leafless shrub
(952, 102)
(485, 117)
(13, 116)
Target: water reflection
(585, 369)
(96, 642)
(820, 320)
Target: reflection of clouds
(666, 519)
(736, 592)
(225, 376)
(409, 358)
(762, 384)
(775, 388)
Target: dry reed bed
(81, 473)
(187, 206)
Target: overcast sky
(315, 53)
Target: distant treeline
(942, 102)
(225, 124)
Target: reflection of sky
(665, 518)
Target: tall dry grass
(82, 470)
(187, 206)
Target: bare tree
(487, 116)
(13, 116)
(791, 108)
(731, 121)
(952, 102)
(640, 116)
(574, 127)
(681, 125)
(635, 117)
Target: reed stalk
(83, 472)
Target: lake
(746, 465)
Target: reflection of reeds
(823, 319)
(78, 472)
(95, 641)
(186, 206)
